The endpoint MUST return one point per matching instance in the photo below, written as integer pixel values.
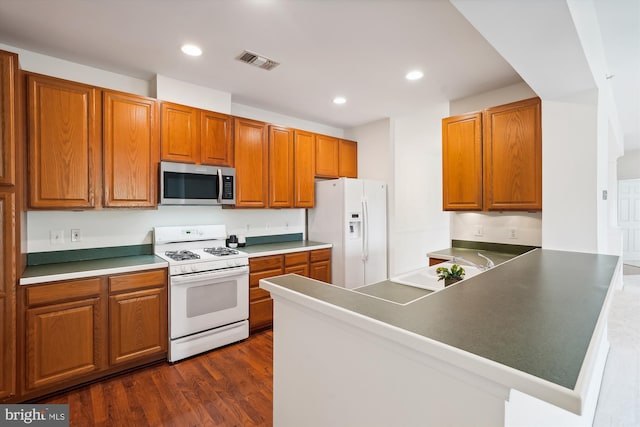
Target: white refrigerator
(351, 214)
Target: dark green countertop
(283, 247)
(97, 267)
(536, 313)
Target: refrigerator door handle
(365, 230)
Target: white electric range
(208, 288)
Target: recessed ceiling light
(339, 100)
(191, 50)
(414, 75)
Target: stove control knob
(194, 268)
(230, 263)
(183, 269)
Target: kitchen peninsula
(522, 343)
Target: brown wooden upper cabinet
(64, 143)
(348, 159)
(191, 135)
(492, 160)
(216, 139)
(462, 162)
(281, 167)
(513, 156)
(131, 150)
(327, 156)
(180, 133)
(8, 70)
(305, 155)
(251, 147)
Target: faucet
(489, 264)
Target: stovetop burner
(220, 251)
(182, 255)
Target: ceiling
(359, 49)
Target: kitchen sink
(427, 278)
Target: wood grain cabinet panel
(348, 159)
(63, 341)
(64, 143)
(137, 316)
(251, 150)
(280, 167)
(327, 156)
(131, 150)
(216, 139)
(513, 156)
(180, 132)
(304, 151)
(8, 70)
(137, 325)
(320, 265)
(7, 294)
(462, 162)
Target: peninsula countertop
(535, 314)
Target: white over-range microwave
(188, 184)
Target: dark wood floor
(229, 386)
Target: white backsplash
(123, 227)
(498, 227)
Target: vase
(451, 281)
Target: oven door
(203, 301)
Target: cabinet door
(304, 151)
(179, 133)
(8, 70)
(7, 294)
(252, 163)
(64, 143)
(462, 162)
(320, 270)
(320, 265)
(327, 156)
(280, 167)
(131, 150)
(216, 139)
(513, 156)
(348, 158)
(260, 302)
(63, 341)
(137, 325)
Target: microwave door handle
(219, 185)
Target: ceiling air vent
(257, 60)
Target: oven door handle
(189, 278)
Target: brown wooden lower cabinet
(434, 261)
(315, 264)
(80, 330)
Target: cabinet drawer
(147, 279)
(296, 258)
(320, 255)
(63, 291)
(265, 263)
(260, 314)
(256, 294)
(254, 278)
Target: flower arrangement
(450, 276)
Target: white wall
(417, 223)
(122, 227)
(375, 150)
(629, 165)
(569, 175)
(168, 89)
(505, 95)
(249, 112)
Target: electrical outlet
(56, 237)
(513, 233)
(479, 231)
(75, 235)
